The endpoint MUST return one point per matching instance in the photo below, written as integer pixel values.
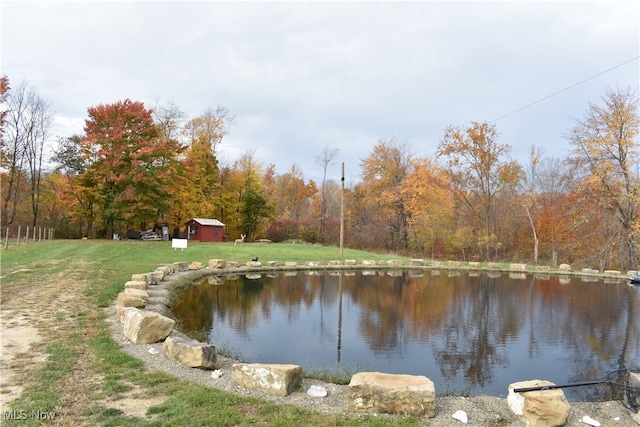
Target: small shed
(205, 230)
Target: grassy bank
(63, 285)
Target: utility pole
(342, 215)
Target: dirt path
(39, 310)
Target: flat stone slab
(192, 353)
(278, 379)
(391, 393)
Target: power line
(564, 90)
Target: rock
(334, 263)
(391, 393)
(280, 380)
(254, 264)
(461, 416)
(146, 327)
(181, 266)
(192, 353)
(217, 263)
(416, 262)
(195, 265)
(539, 408)
(141, 278)
(349, 262)
(454, 264)
(290, 264)
(128, 300)
(136, 284)
(317, 391)
(394, 263)
(368, 262)
(590, 421)
(137, 293)
(217, 373)
(517, 267)
(272, 263)
(157, 276)
(564, 267)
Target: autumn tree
(555, 189)
(427, 198)
(77, 190)
(293, 196)
(479, 169)
(130, 164)
(383, 172)
(201, 196)
(4, 93)
(245, 206)
(606, 157)
(26, 127)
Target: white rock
(216, 374)
(590, 421)
(461, 416)
(317, 391)
(153, 350)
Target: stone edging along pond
(162, 297)
(151, 295)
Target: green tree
(254, 210)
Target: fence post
(19, 230)
(6, 238)
(33, 238)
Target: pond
(471, 334)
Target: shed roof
(207, 221)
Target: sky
(299, 76)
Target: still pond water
(469, 333)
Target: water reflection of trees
(467, 322)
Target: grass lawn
(73, 368)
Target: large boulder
(391, 393)
(539, 408)
(280, 380)
(192, 353)
(146, 327)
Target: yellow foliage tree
(606, 157)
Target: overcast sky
(299, 76)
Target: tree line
(137, 167)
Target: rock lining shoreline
(481, 410)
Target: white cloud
(302, 75)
